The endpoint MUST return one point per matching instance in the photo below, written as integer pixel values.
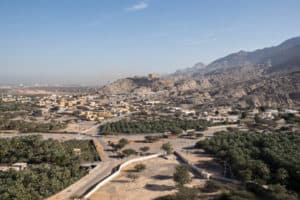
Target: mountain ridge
(271, 56)
(268, 76)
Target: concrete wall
(116, 173)
(201, 173)
(99, 149)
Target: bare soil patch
(155, 181)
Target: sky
(93, 42)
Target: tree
(144, 149)
(182, 175)
(151, 139)
(212, 186)
(122, 143)
(139, 167)
(177, 131)
(261, 158)
(279, 192)
(262, 170)
(244, 115)
(132, 176)
(167, 147)
(129, 152)
(238, 195)
(245, 175)
(199, 135)
(281, 175)
(152, 125)
(41, 181)
(186, 193)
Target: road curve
(79, 188)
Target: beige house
(19, 166)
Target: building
(290, 111)
(77, 151)
(188, 112)
(269, 114)
(19, 166)
(233, 118)
(153, 76)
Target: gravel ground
(155, 181)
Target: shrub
(139, 167)
(199, 135)
(129, 152)
(212, 186)
(122, 143)
(151, 139)
(132, 176)
(144, 149)
(184, 193)
(167, 147)
(182, 175)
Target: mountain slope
(269, 76)
(189, 71)
(284, 57)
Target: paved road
(102, 170)
(213, 129)
(86, 183)
(94, 130)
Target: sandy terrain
(137, 141)
(79, 126)
(155, 181)
(203, 161)
(55, 136)
(213, 129)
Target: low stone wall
(201, 173)
(181, 157)
(99, 149)
(116, 173)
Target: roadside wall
(60, 195)
(116, 173)
(201, 173)
(99, 149)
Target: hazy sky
(93, 41)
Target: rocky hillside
(284, 57)
(128, 85)
(189, 71)
(269, 76)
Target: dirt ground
(213, 129)
(79, 126)
(55, 136)
(204, 161)
(137, 141)
(155, 181)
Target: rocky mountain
(128, 85)
(284, 57)
(269, 76)
(189, 71)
